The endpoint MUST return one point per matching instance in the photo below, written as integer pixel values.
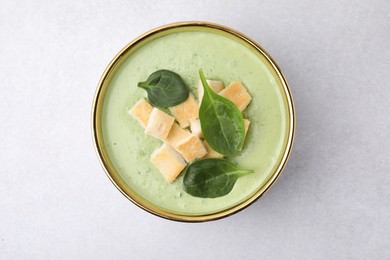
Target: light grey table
(331, 202)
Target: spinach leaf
(221, 121)
(211, 178)
(165, 88)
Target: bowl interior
(223, 54)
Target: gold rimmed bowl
(223, 53)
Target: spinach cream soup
(221, 58)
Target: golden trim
(97, 106)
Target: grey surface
(331, 202)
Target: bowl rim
(98, 140)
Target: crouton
(141, 111)
(186, 111)
(168, 162)
(159, 124)
(237, 93)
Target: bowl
(184, 47)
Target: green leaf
(211, 178)
(165, 88)
(221, 121)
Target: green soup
(221, 57)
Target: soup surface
(222, 58)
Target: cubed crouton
(237, 93)
(176, 135)
(196, 128)
(159, 124)
(141, 111)
(186, 111)
(191, 148)
(168, 162)
(210, 152)
(215, 85)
